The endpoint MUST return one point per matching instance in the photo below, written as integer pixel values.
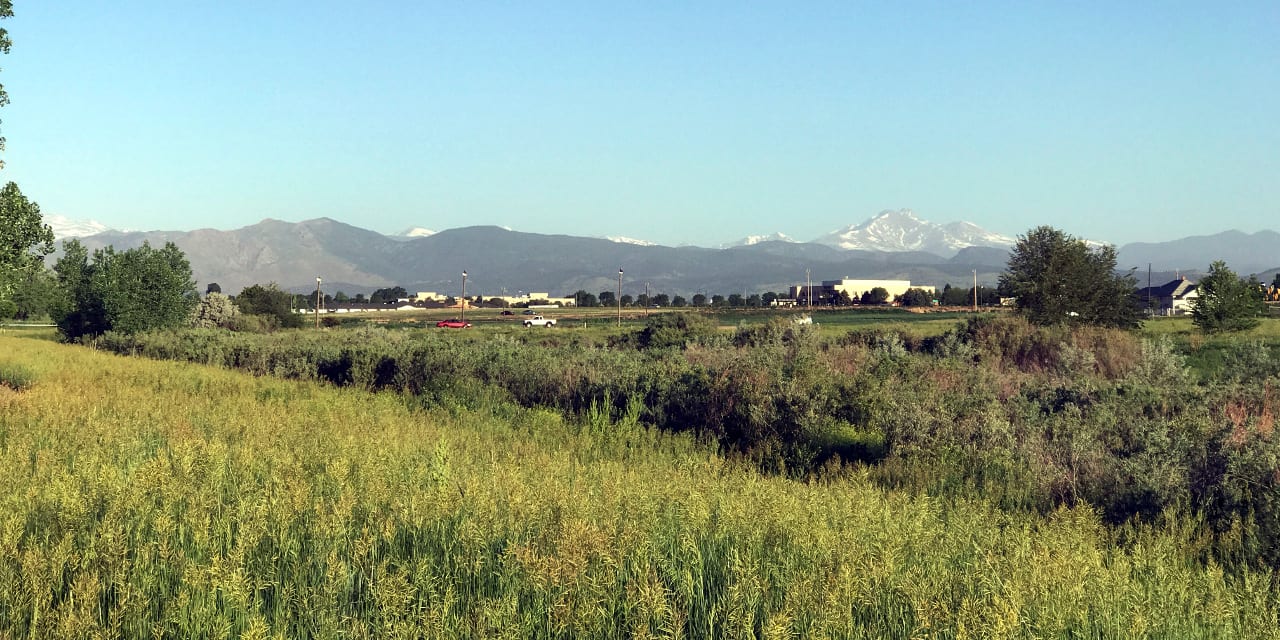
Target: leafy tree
(916, 298)
(699, 299)
(753, 300)
(878, 295)
(661, 300)
(1225, 302)
(388, 294)
(843, 299)
(359, 299)
(584, 299)
(24, 238)
(78, 311)
(607, 299)
(6, 11)
(214, 310)
(213, 288)
(131, 291)
(341, 296)
(768, 298)
(736, 300)
(627, 300)
(1058, 279)
(955, 296)
(717, 300)
(36, 295)
(679, 301)
(271, 302)
(642, 300)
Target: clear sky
(675, 122)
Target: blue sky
(668, 121)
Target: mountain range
(891, 245)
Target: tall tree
(6, 11)
(877, 295)
(1059, 279)
(130, 291)
(1224, 302)
(269, 301)
(24, 239)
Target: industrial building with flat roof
(855, 288)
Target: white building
(855, 288)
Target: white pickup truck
(539, 321)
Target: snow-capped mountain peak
(902, 230)
(626, 240)
(751, 240)
(415, 232)
(64, 227)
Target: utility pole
(1150, 310)
(317, 302)
(619, 296)
(464, 296)
(975, 289)
(808, 289)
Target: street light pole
(975, 290)
(464, 296)
(619, 296)
(317, 302)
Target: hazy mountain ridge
(498, 259)
(1245, 253)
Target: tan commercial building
(855, 288)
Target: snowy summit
(64, 227)
(752, 240)
(415, 232)
(901, 230)
(626, 240)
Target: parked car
(527, 312)
(539, 321)
(508, 312)
(453, 323)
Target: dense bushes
(1027, 417)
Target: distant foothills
(894, 245)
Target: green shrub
(666, 330)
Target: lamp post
(975, 290)
(317, 302)
(464, 296)
(619, 296)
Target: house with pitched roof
(1173, 298)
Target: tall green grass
(142, 498)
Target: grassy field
(164, 499)
(1208, 354)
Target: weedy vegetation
(992, 479)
